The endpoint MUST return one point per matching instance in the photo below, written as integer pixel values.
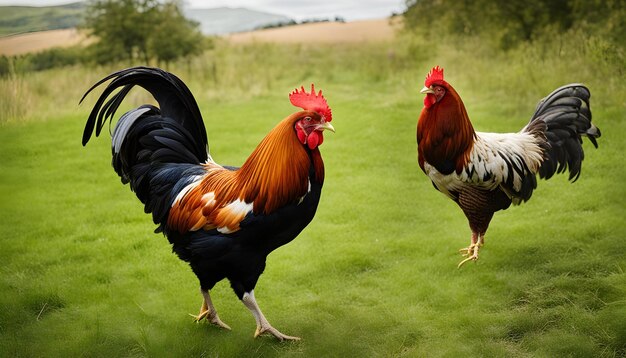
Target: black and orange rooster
(486, 172)
(223, 220)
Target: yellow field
(38, 41)
(324, 32)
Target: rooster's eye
(308, 119)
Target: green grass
(374, 274)
(19, 19)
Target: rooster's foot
(262, 325)
(267, 329)
(212, 317)
(208, 312)
(470, 252)
(472, 257)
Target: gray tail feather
(562, 119)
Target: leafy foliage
(513, 22)
(55, 57)
(174, 36)
(140, 29)
(5, 66)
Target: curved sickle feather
(174, 98)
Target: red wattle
(429, 100)
(313, 140)
(301, 136)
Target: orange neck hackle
(274, 175)
(277, 171)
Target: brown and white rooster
(486, 172)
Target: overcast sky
(296, 9)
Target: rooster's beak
(427, 90)
(328, 126)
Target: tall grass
(513, 77)
(375, 273)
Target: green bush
(55, 57)
(5, 68)
(511, 23)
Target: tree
(174, 36)
(142, 30)
(513, 21)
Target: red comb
(311, 102)
(435, 75)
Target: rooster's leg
(262, 325)
(471, 252)
(207, 310)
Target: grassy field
(374, 274)
(20, 19)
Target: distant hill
(217, 21)
(20, 19)
(225, 20)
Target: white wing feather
(494, 158)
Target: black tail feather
(174, 98)
(155, 150)
(567, 116)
